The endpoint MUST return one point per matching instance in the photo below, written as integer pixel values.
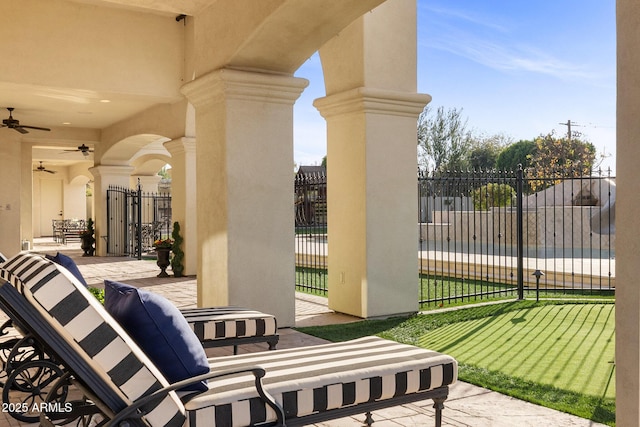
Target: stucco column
(12, 174)
(104, 176)
(371, 191)
(244, 139)
(26, 194)
(184, 196)
(627, 213)
(371, 110)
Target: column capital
(244, 85)
(182, 145)
(111, 170)
(372, 100)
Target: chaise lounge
(121, 384)
(214, 326)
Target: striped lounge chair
(223, 326)
(284, 387)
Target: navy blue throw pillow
(69, 264)
(160, 330)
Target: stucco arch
(278, 36)
(243, 93)
(79, 173)
(79, 180)
(149, 164)
(168, 121)
(125, 151)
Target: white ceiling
(52, 107)
(68, 108)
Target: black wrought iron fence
(485, 235)
(135, 220)
(311, 230)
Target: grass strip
(410, 329)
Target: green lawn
(566, 346)
(556, 354)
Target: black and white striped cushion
(319, 378)
(90, 332)
(229, 322)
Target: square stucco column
(372, 200)
(15, 177)
(244, 141)
(627, 214)
(183, 197)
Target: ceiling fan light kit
(41, 168)
(83, 149)
(14, 124)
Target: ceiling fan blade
(19, 129)
(33, 127)
(48, 171)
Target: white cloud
(492, 41)
(506, 57)
(477, 19)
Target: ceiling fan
(41, 168)
(12, 123)
(83, 149)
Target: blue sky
(515, 67)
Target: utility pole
(568, 125)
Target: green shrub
(98, 293)
(177, 261)
(492, 195)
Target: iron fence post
(109, 230)
(139, 221)
(520, 231)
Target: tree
(482, 158)
(443, 140)
(560, 157)
(485, 151)
(515, 154)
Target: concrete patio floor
(467, 405)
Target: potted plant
(163, 249)
(87, 240)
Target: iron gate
(135, 220)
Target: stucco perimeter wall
(548, 231)
(562, 194)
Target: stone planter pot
(86, 243)
(163, 261)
